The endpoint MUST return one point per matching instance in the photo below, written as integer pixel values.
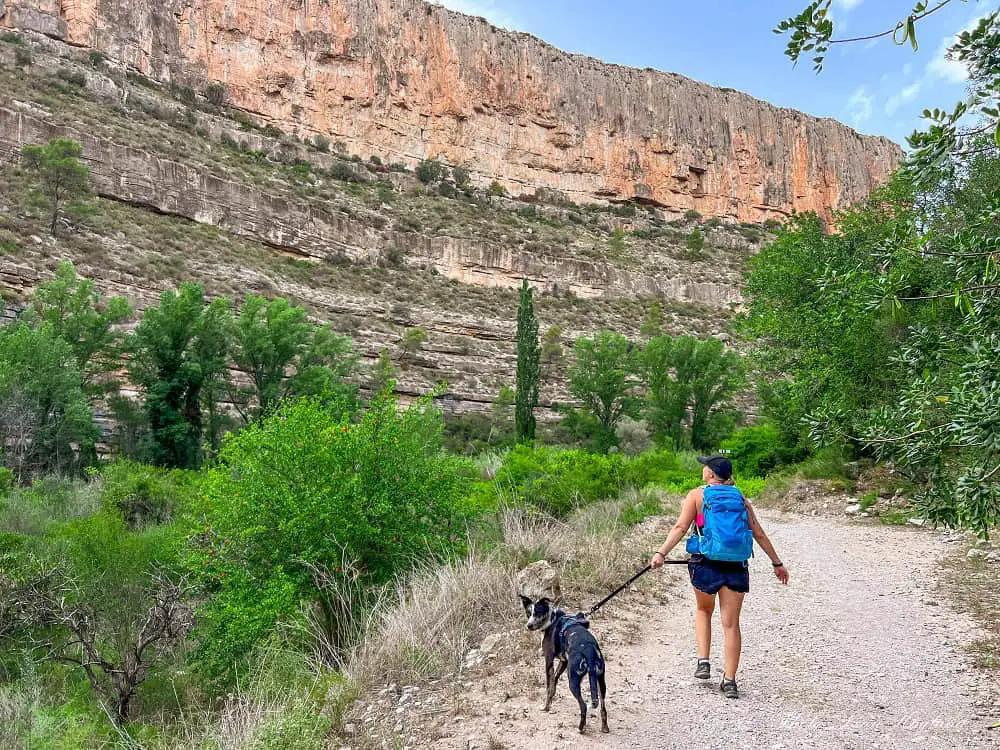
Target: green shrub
(462, 177)
(72, 77)
(430, 170)
(187, 95)
(558, 481)
(640, 507)
(341, 170)
(299, 726)
(696, 241)
(751, 486)
(447, 190)
(757, 449)
(659, 469)
(692, 215)
(146, 495)
(308, 491)
(6, 481)
(33, 511)
(215, 94)
(496, 188)
(22, 57)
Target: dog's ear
(526, 602)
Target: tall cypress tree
(528, 367)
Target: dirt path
(856, 653)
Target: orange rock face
(406, 81)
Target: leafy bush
(633, 436)
(93, 595)
(341, 170)
(430, 170)
(692, 215)
(146, 495)
(215, 93)
(758, 449)
(308, 493)
(462, 176)
(447, 190)
(33, 511)
(558, 481)
(696, 241)
(496, 188)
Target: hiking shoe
(704, 669)
(728, 688)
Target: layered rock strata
(406, 80)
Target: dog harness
(563, 623)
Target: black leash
(628, 583)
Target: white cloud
(860, 106)
(907, 69)
(951, 71)
(907, 94)
(491, 10)
(847, 4)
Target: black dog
(568, 639)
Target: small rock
(984, 544)
(975, 553)
(864, 514)
(993, 557)
(539, 580)
(853, 510)
(490, 643)
(916, 522)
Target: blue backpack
(726, 534)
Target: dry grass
(431, 620)
(971, 586)
(427, 625)
(18, 705)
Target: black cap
(721, 466)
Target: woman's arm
(688, 512)
(765, 544)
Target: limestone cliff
(405, 80)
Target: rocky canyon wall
(405, 81)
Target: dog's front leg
(555, 680)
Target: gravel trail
(857, 652)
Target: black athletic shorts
(709, 576)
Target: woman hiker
(725, 526)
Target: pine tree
(528, 367)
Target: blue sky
(876, 87)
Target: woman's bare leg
(705, 606)
(730, 605)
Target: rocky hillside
(193, 187)
(405, 81)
